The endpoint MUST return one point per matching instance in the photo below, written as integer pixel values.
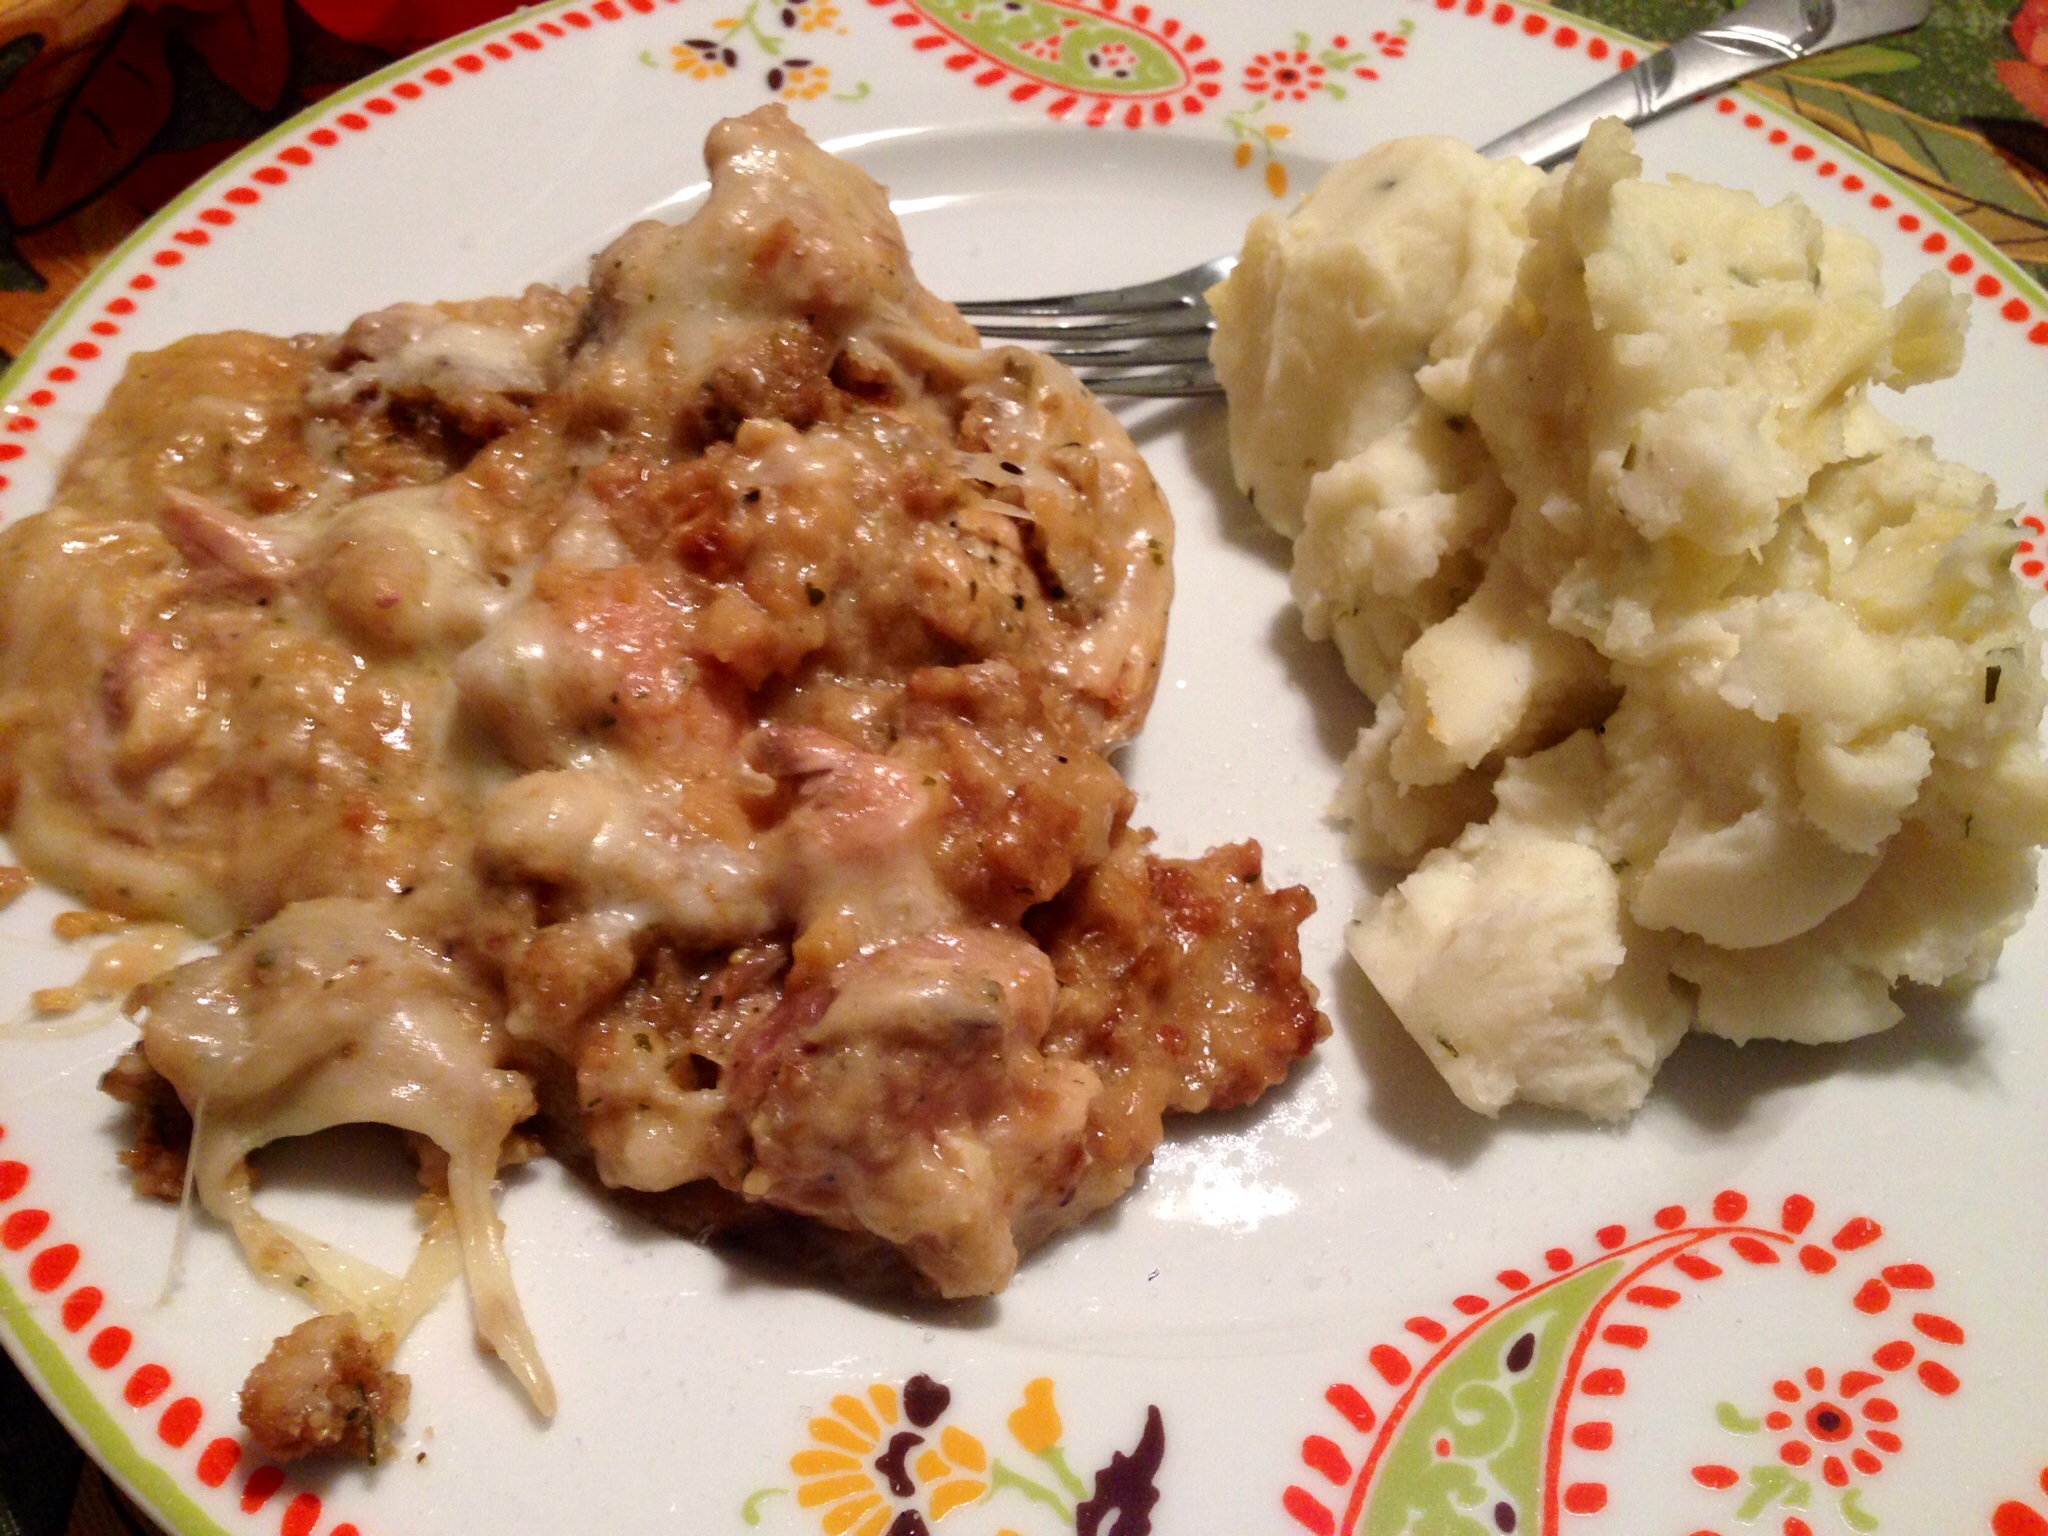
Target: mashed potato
(1704, 696)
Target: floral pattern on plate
(1501, 1425)
(890, 1462)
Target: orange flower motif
(953, 1471)
(1254, 138)
(799, 80)
(885, 1461)
(833, 1472)
(1036, 1424)
(880, 1457)
(702, 58)
(812, 16)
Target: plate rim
(159, 1485)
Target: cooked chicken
(681, 706)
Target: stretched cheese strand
(333, 1280)
(174, 1265)
(328, 1015)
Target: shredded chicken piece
(324, 1390)
(677, 713)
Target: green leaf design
(1730, 1417)
(1862, 59)
(1056, 1457)
(1061, 44)
(1767, 1485)
(1490, 1404)
(2002, 200)
(750, 1512)
(1854, 1515)
(1001, 1476)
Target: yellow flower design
(1036, 1424)
(952, 1470)
(817, 16)
(800, 80)
(882, 1454)
(885, 1460)
(701, 58)
(1255, 138)
(833, 1472)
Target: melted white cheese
(327, 1016)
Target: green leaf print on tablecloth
(1955, 47)
(2003, 201)
(1906, 96)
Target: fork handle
(1750, 38)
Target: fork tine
(1086, 328)
(1175, 379)
(1171, 292)
(1149, 339)
(1106, 301)
(1149, 352)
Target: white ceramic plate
(1316, 1307)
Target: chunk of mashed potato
(1704, 694)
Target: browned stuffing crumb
(323, 1390)
(155, 1159)
(13, 881)
(85, 925)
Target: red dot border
(1986, 285)
(112, 1349)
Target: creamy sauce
(663, 705)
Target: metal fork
(1153, 338)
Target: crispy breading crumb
(323, 1390)
(155, 1158)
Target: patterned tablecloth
(108, 108)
